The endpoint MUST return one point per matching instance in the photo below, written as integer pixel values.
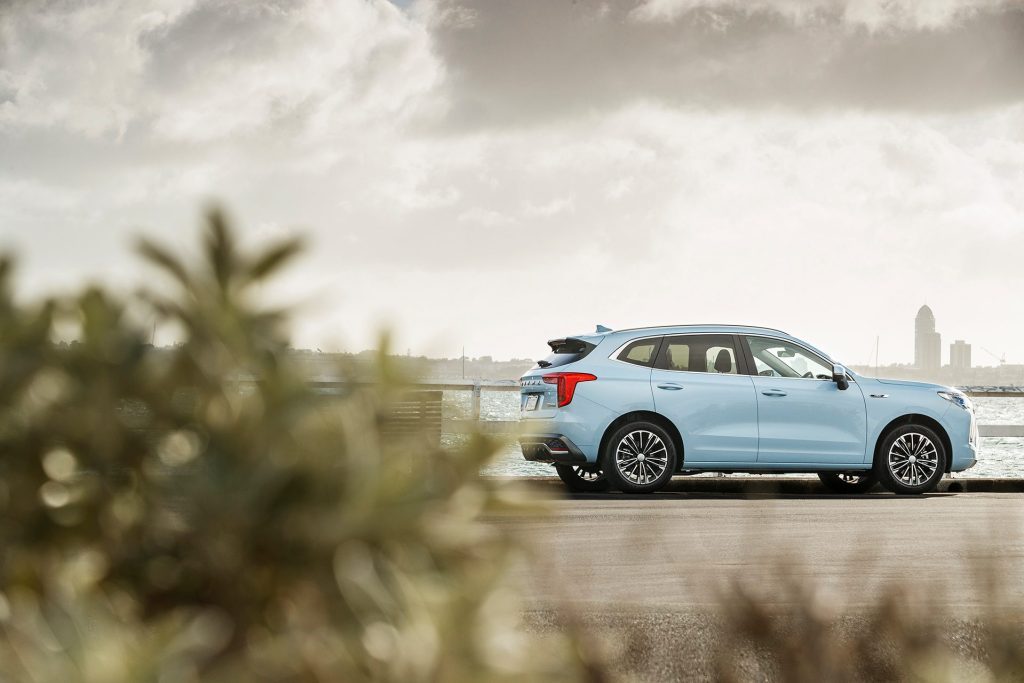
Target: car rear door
(803, 416)
(699, 383)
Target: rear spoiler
(570, 345)
(578, 345)
(590, 340)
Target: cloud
(191, 71)
(487, 218)
(520, 63)
(457, 161)
(874, 15)
(559, 205)
(141, 108)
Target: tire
(582, 480)
(910, 460)
(639, 457)
(848, 482)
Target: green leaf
(163, 259)
(273, 259)
(220, 248)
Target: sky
(492, 174)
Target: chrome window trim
(799, 346)
(614, 354)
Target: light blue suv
(628, 409)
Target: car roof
(691, 327)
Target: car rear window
(565, 351)
(640, 352)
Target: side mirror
(839, 377)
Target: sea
(999, 456)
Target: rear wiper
(544, 363)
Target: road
(682, 550)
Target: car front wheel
(639, 458)
(582, 479)
(911, 459)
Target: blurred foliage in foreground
(801, 634)
(163, 519)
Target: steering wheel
(808, 375)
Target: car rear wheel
(639, 458)
(911, 459)
(848, 482)
(579, 479)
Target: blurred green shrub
(198, 513)
(803, 634)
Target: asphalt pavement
(689, 547)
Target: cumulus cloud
(191, 71)
(523, 62)
(874, 15)
(133, 113)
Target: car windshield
(776, 358)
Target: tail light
(567, 382)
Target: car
(628, 409)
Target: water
(1000, 457)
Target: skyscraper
(960, 354)
(927, 342)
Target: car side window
(721, 359)
(640, 352)
(763, 368)
(778, 358)
(714, 353)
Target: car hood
(916, 385)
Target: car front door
(698, 382)
(803, 416)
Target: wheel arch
(924, 420)
(645, 416)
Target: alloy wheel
(641, 457)
(913, 459)
(588, 473)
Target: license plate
(532, 402)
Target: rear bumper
(553, 448)
(581, 424)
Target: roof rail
(661, 327)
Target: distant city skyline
(928, 346)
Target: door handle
(670, 387)
(773, 392)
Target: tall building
(927, 342)
(960, 355)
